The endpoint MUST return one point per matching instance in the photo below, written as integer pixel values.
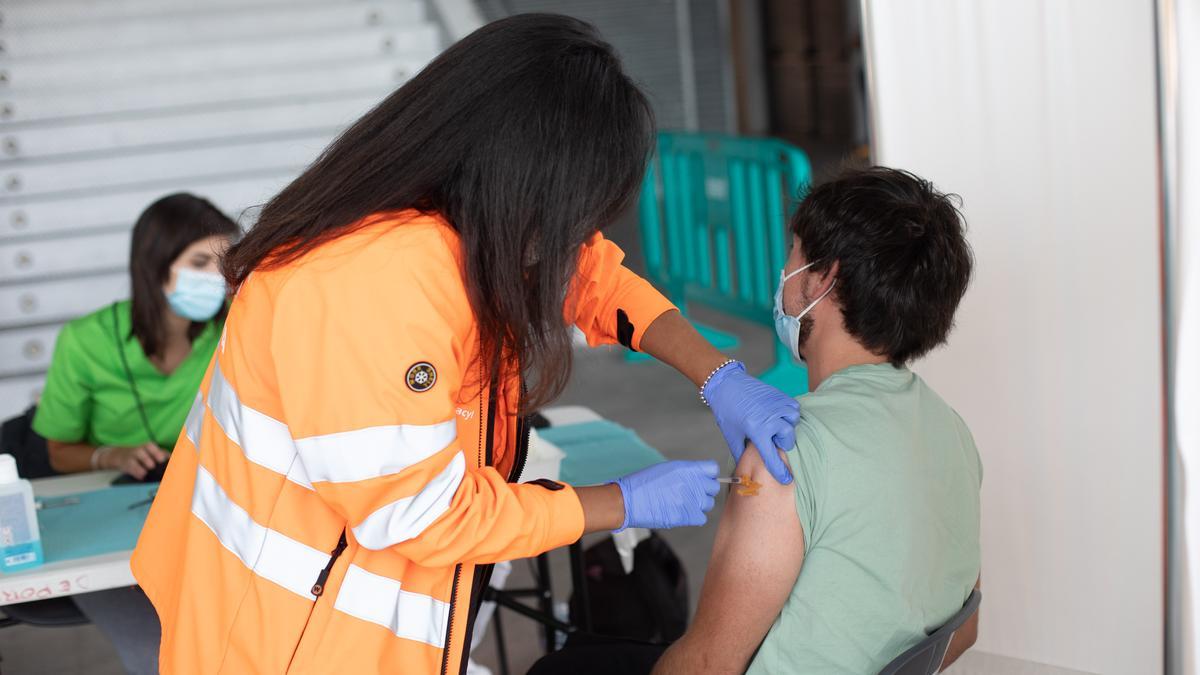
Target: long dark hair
(527, 137)
(164, 230)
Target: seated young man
(876, 542)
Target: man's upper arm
(756, 559)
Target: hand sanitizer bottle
(20, 542)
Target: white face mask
(787, 327)
(197, 296)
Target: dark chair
(54, 612)
(17, 438)
(926, 657)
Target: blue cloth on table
(101, 522)
(599, 452)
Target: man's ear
(818, 283)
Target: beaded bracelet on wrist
(710, 376)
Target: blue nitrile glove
(669, 494)
(750, 410)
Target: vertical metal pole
(501, 648)
(729, 86)
(579, 581)
(872, 86)
(747, 57)
(546, 598)
(687, 65)
(1166, 34)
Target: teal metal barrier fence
(713, 217)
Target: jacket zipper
(484, 572)
(318, 589)
(487, 458)
(523, 427)
(450, 620)
(482, 576)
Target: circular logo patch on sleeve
(421, 376)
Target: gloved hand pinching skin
(669, 494)
(748, 409)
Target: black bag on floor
(17, 438)
(649, 604)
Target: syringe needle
(746, 485)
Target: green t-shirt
(88, 398)
(887, 488)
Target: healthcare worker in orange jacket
(348, 473)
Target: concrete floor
(80, 650)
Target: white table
(68, 577)
(111, 570)
(561, 415)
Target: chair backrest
(17, 438)
(713, 217)
(926, 657)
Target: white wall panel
(108, 105)
(53, 301)
(54, 257)
(174, 61)
(208, 160)
(16, 394)
(238, 21)
(68, 12)
(25, 218)
(27, 349)
(1041, 115)
(208, 91)
(181, 127)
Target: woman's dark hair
(164, 230)
(903, 258)
(526, 136)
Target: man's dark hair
(903, 258)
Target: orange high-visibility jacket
(343, 482)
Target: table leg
(501, 648)
(579, 583)
(546, 598)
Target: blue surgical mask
(198, 295)
(787, 327)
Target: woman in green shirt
(124, 377)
